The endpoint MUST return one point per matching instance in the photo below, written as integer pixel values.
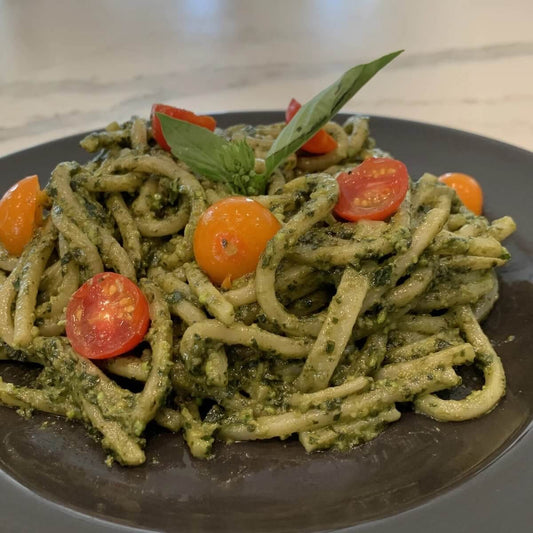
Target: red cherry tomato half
(293, 108)
(374, 190)
(467, 188)
(107, 316)
(205, 121)
(231, 236)
(321, 143)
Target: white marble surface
(67, 66)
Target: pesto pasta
(339, 322)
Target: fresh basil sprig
(233, 162)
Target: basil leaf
(197, 147)
(320, 109)
(212, 156)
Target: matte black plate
(418, 474)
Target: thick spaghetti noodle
(339, 322)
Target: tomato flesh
(205, 121)
(20, 214)
(230, 237)
(321, 143)
(467, 188)
(107, 316)
(374, 190)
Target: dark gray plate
(472, 476)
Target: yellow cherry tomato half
(467, 188)
(230, 237)
(20, 214)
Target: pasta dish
(335, 322)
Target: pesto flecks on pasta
(339, 321)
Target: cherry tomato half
(20, 214)
(205, 121)
(374, 190)
(467, 188)
(230, 237)
(321, 143)
(107, 316)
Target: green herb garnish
(212, 156)
(233, 162)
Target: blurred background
(67, 66)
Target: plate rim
(450, 129)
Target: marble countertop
(68, 66)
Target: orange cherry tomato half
(231, 236)
(205, 121)
(107, 316)
(321, 143)
(374, 190)
(20, 214)
(467, 188)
